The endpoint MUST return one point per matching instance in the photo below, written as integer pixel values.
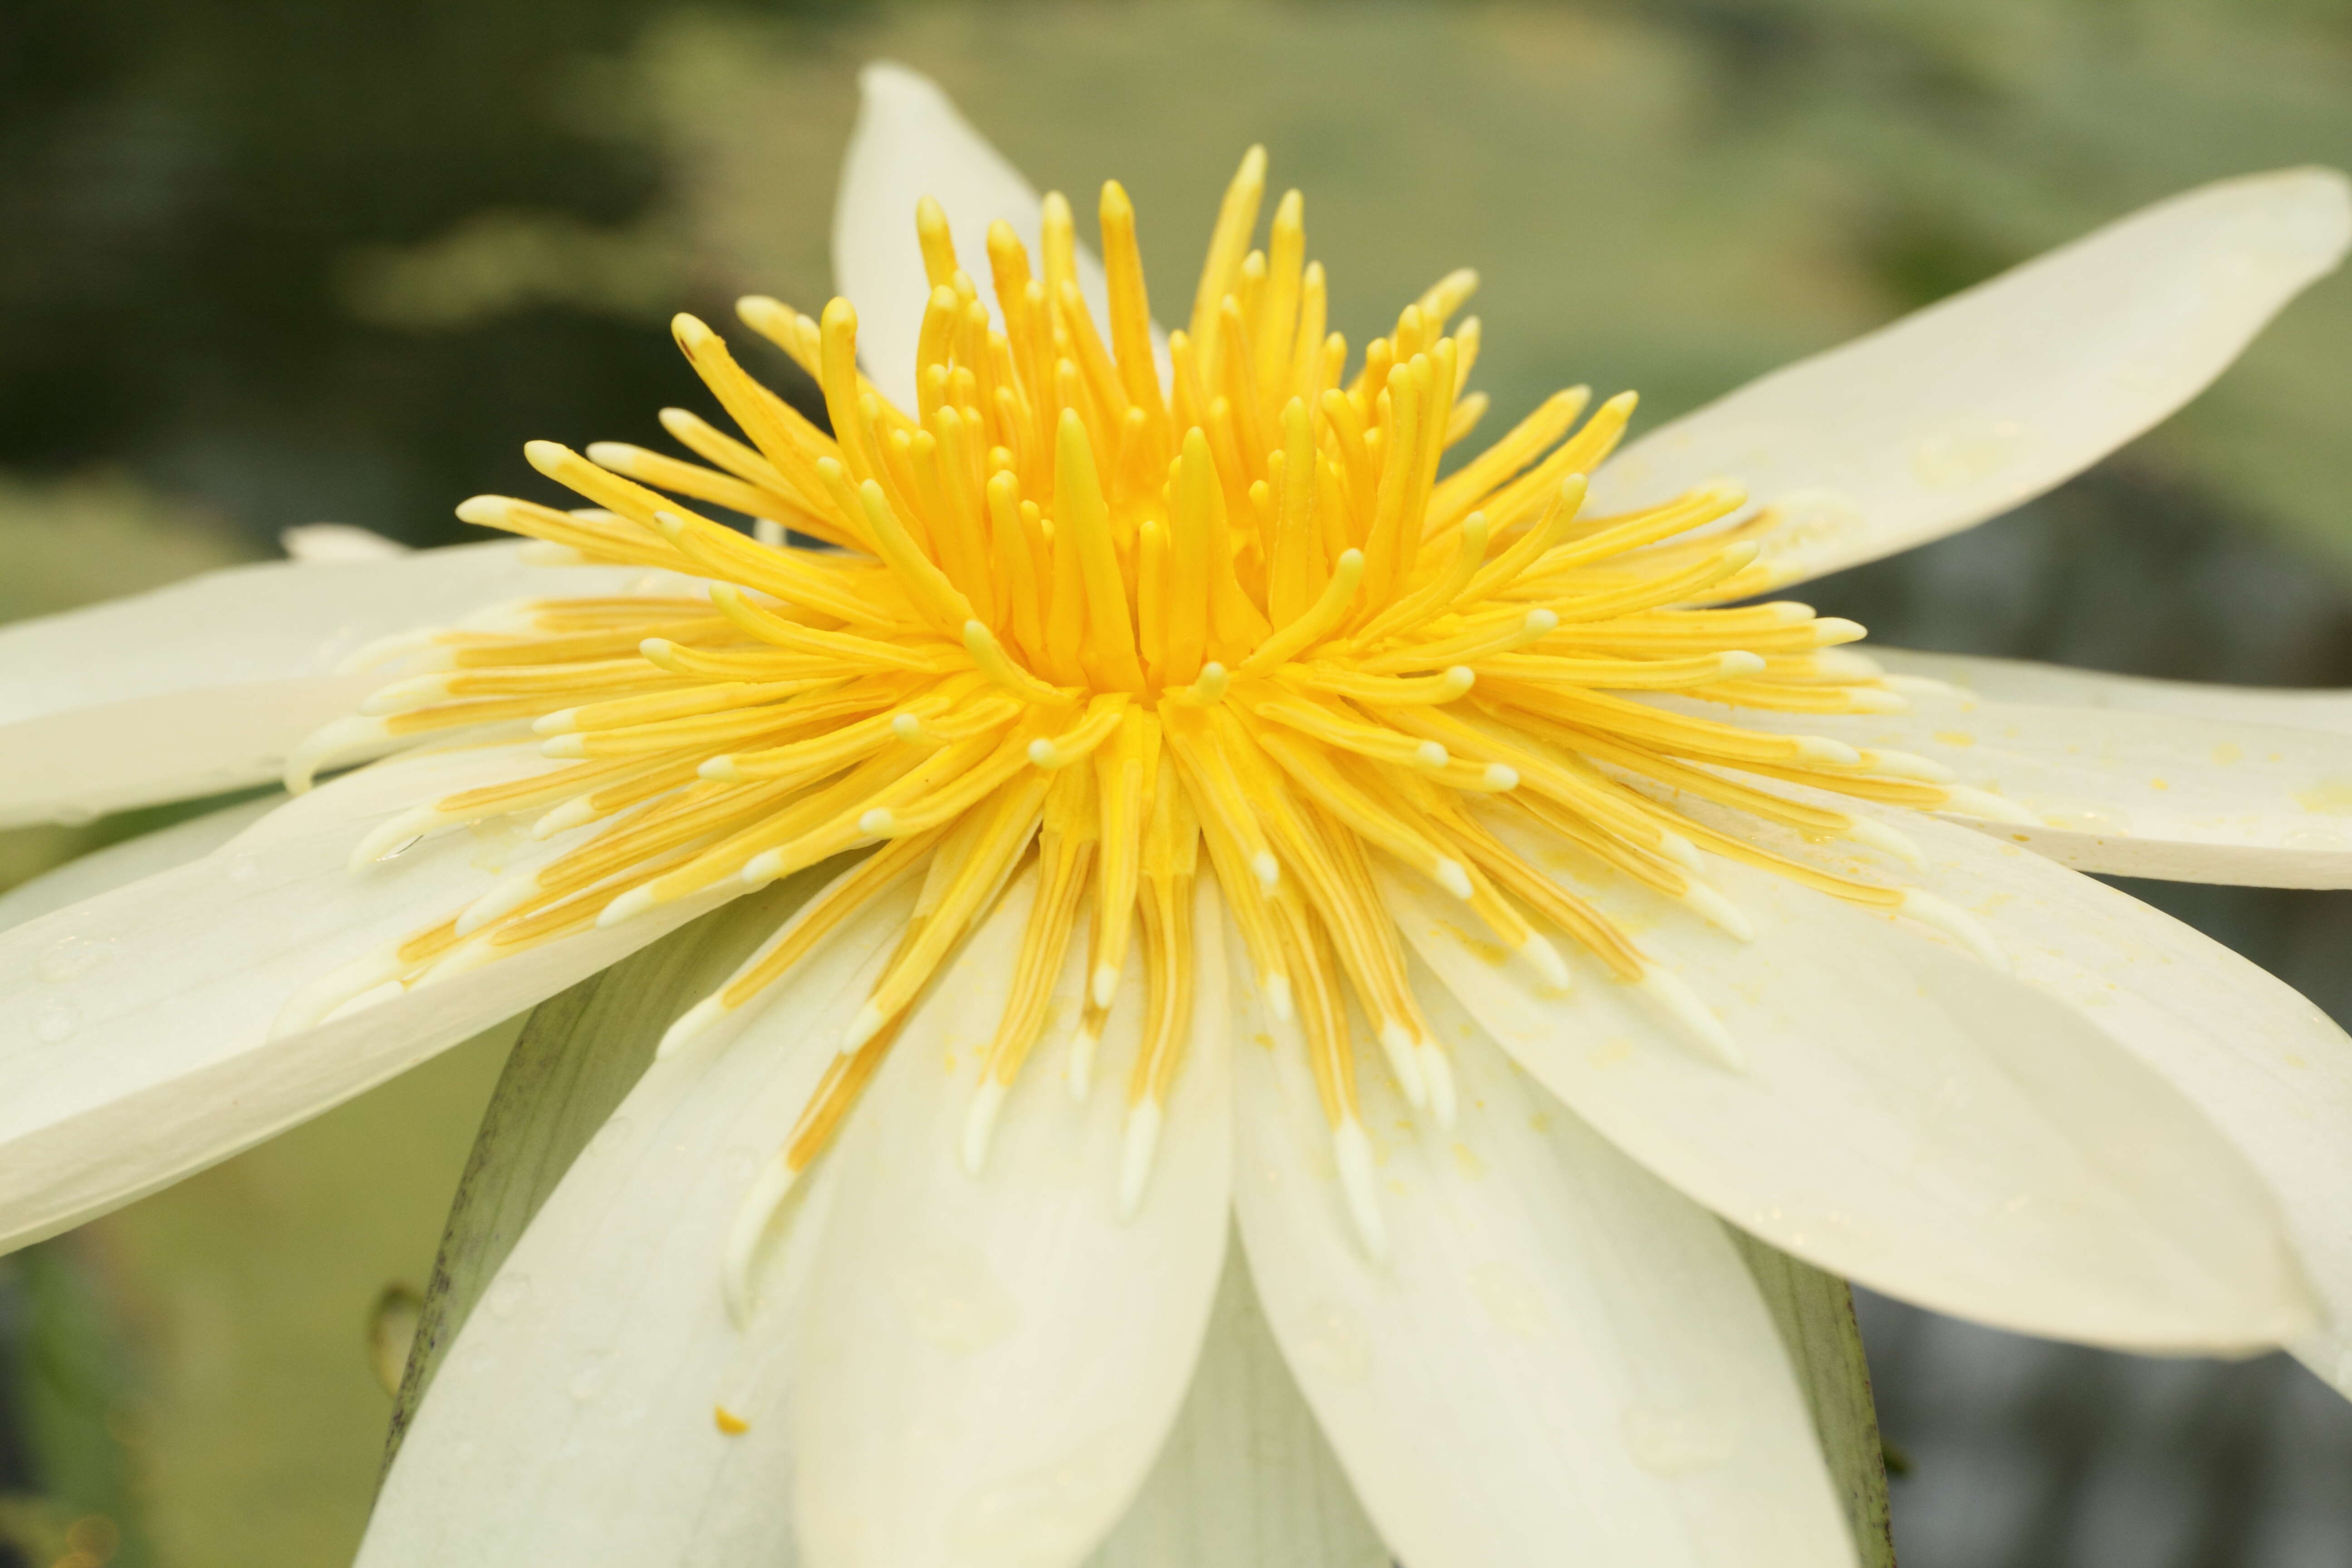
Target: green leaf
(1814, 1312)
(580, 1054)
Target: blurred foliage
(271, 261)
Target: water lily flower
(1191, 809)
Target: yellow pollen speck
(1238, 645)
(2158, 784)
(729, 1423)
(2227, 753)
(1467, 1159)
(1609, 1052)
(2331, 797)
(1956, 738)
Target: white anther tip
(1139, 1145)
(979, 1124)
(563, 721)
(1879, 836)
(1459, 679)
(763, 867)
(544, 454)
(1822, 748)
(1438, 1073)
(1454, 877)
(1267, 870)
(876, 822)
(1041, 752)
(1431, 755)
(1697, 1020)
(1278, 1001)
(628, 907)
(691, 1026)
(1081, 1063)
(482, 511)
(1546, 960)
(613, 454)
(1500, 777)
(1541, 620)
(1351, 1153)
(907, 727)
(1104, 985)
(1739, 661)
(722, 768)
(1968, 801)
(1958, 923)
(1397, 1044)
(862, 1028)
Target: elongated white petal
(576, 1419)
(102, 870)
(2269, 1069)
(1963, 410)
(2138, 794)
(990, 1365)
(911, 142)
(1246, 1479)
(134, 1026)
(1563, 1360)
(206, 685)
(2058, 686)
(1908, 1118)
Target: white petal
(1963, 410)
(575, 1420)
(1246, 1479)
(1907, 1118)
(2272, 1070)
(103, 871)
(2059, 685)
(206, 685)
(990, 1365)
(134, 1026)
(2135, 793)
(911, 142)
(1563, 1362)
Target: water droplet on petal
(71, 958)
(403, 848)
(55, 1021)
(1676, 1441)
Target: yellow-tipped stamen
(1128, 616)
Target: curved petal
(576, 1418)
(134, 1045)
(1907, 1118)
(911, 142)
(1246, 1479)
(206, 685)
(1963, 410)
(103, 871)
(1564, 1362)
(2134, 794)
(990, 1365)
(2272, 1071)
(2060, 685)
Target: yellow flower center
(1127, 615)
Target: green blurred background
(266, 264)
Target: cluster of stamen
(1106, 612)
